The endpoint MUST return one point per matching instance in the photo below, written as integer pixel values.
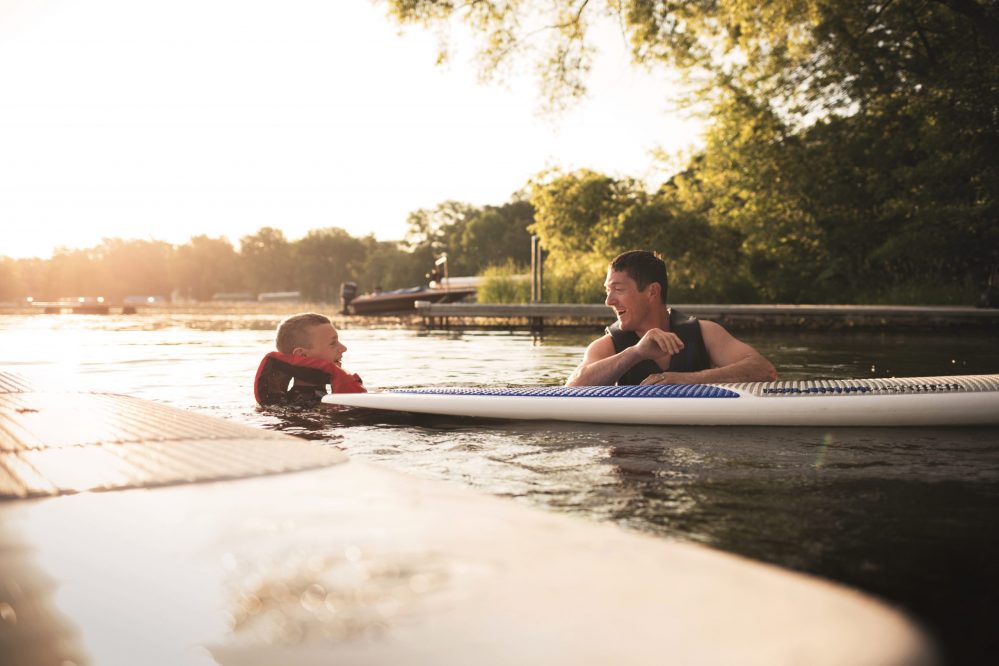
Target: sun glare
(319, 115)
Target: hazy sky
(166, 120)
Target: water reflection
(904, 513)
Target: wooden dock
(216, 542)
(538, 316)
(71, 307)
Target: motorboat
(402, 301)
(440, 289)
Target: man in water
(652, 344)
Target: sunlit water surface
(908, 514)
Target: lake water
(907, 514)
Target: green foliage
(268, 261)
(494, 235)
(585, 219)
(206, 266)
(553, 32)
(582, 216)
(849, 157)
(473, 238)
(851, 146)
(574, 283)
(504, 284)
(324, 259)
(389, 265)
(510, 283)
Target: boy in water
(310, 352)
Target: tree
(849, 141)
(495, 235)
(10, 283)
(205, 266)
(267, 261)
(75, 273)
(796, 54)
(134, 267)
(394, 265)
(586, 218)
(583, 215)
(437, 229)
(32, 278)
(324, 259)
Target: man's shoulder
(714, 333)
(604, 346)
(607, 338)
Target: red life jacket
(276, 371)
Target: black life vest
(276, 370)
(693, 356)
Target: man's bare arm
(731, 361)
(601, 366)
(753, 369)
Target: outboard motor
(348, 290)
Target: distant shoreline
(511, 317)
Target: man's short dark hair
(644, 268)
(296, 331)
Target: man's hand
(666, 378)
(657, 342)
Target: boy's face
(325, 344)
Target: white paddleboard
(906, 401)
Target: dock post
(541, 273)
(534, 269)
(537, 271)
(537, 279)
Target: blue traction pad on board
(652, 391)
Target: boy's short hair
(644, 268)
(296, 331)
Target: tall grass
(506, 283)
(509, 283)
(583, 283)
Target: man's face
(325, 344)
(631, 304)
